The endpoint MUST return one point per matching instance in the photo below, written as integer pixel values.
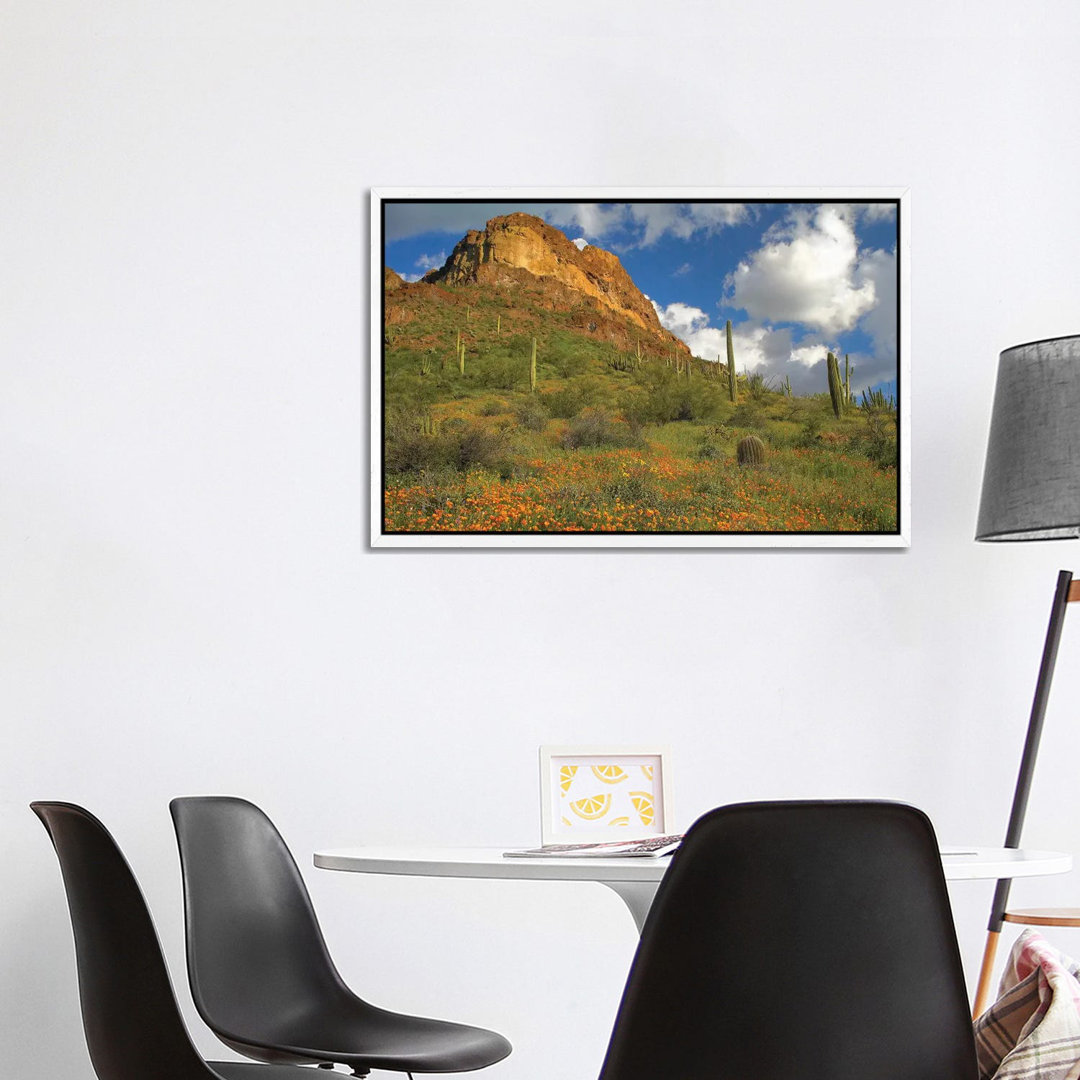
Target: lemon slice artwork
(566, 777)
(609, 774)
(592, 808)
(624, 820)
(643, 804)
(647, 771)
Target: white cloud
(411, 277)
(755, 345)
(809, 355)
(879, 268)
(684, 269)
(580, 243)
(806, 272)
(874, 212)
(758, 347)
(428, 262)
(681, 319)
(592, 219)
(646, 222)
(622, 225)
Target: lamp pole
(1063, 594)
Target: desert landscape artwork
(701, 371)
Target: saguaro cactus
(836, 386)
(731, 380)
(750, 451)
(498, 325)
(849, 370)
(532, 369)
(461, 356)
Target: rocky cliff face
(524, 242)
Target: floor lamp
(1031, 491)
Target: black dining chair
(133, 1026)
(259, 969)
(798, 941)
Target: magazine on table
(649, 847)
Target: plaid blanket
(1032, 1031)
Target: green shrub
(565, 353)
(808, 434)
(501, 372)
(413, 445)
(661, 396)
(576, 395)
(596, 427)
(759, 387)
(748, 414)
(532, 414)
(877, 440)
(478, 445)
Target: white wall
(187, 603)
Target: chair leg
(982, 992)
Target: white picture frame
(388, 530)
(590, 794)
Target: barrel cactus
(750, 451)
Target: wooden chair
(1050, 916)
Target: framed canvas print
(596, 793)
(646, 368)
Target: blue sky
(796, 279)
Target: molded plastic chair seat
(364, 1037)
(260, 973)
(798, 941)
(133, 1026)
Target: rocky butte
(517, 242)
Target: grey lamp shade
(1031, 484)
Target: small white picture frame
(590, 794)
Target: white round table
(636, 879)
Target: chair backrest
(255, 951)
(798, 941)
(132, 1022)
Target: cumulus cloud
(592, 219)
(680, 318)
(810, 355)
(767, 350)
(807, 272)
(428, 262)
(756, 346)
(684, 269)
(580, 243)
(874, 212)
(643, 224)
(879, 268)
